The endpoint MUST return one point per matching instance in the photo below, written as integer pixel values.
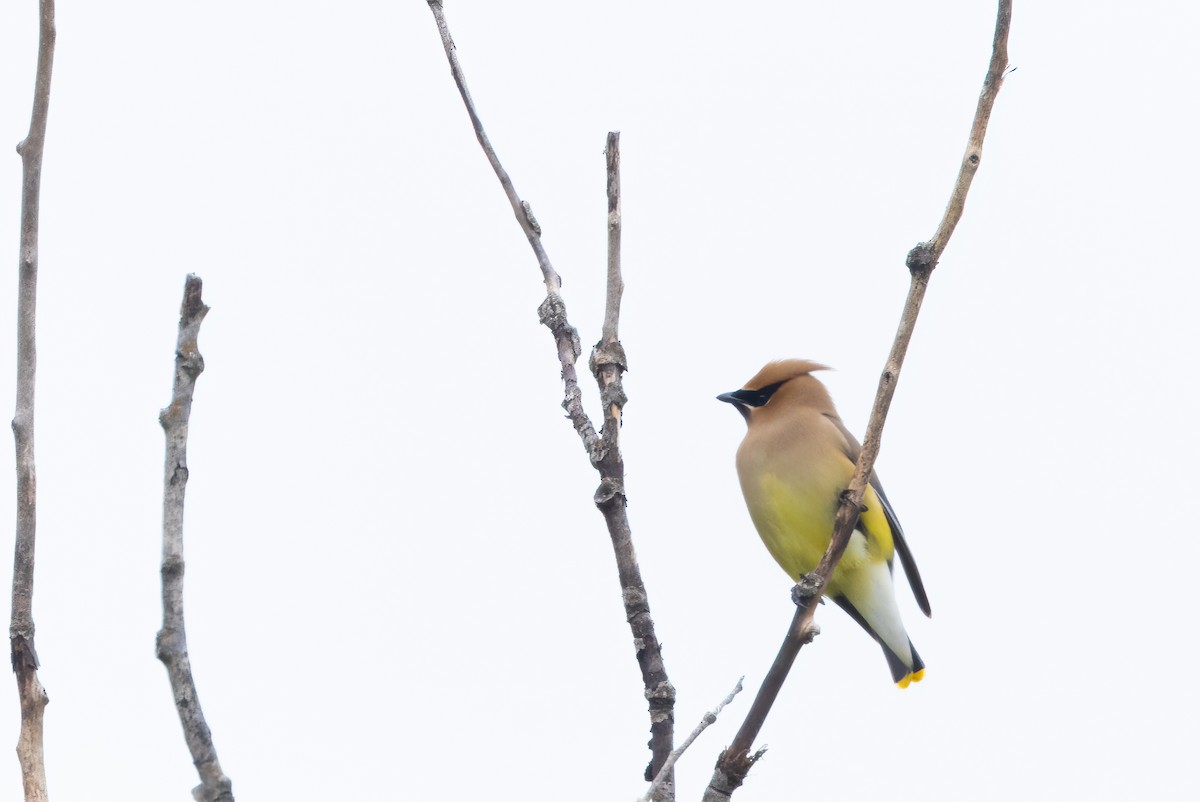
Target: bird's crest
(783, 370)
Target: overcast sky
(397, 584)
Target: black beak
(740, 403)
(748, 398)
(730, 398)
(744, 399)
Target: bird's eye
(768, 391)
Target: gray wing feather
(853, 449)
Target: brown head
(787, 383)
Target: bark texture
(172, 638)
(32, 695)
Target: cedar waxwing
(795, 462)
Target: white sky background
(397, 584)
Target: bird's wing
(853, 449)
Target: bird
(795, 462)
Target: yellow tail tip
(916, 676)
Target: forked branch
(707, 721)
(608, 364)
(737, 759)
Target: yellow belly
(795, 522)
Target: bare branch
(736, 760)
(553, 311)
(616, 285)
(608, 364)
(709, 719)
(974, 154)
(32, 695)
(172, 638)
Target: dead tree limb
(607, 364)
(172, 638)
(32, 695)
(736, 760)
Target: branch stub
(921, 259)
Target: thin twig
(172, 638)
(32, 695)
(709, 719)
(553, 311)
(616, 284)
(736, 760)
(608, 364)
(974, 153)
